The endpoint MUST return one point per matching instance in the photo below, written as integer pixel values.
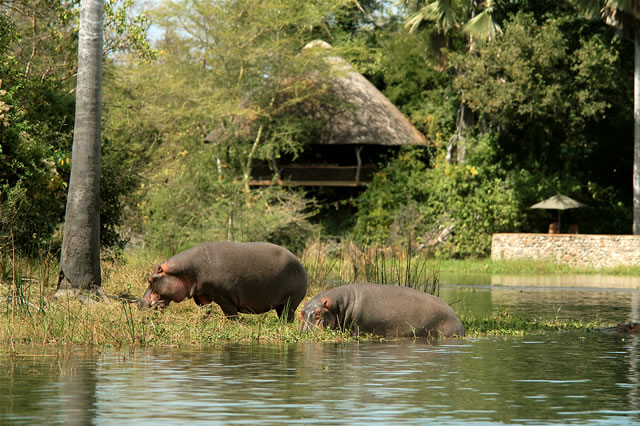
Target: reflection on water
(547, 303)
(583, 297)
(562, 378)
(558, 378)
(574, 280)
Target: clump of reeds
(331, 263)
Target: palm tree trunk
(636, 133)
(80, 261)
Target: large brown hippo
(385, 310)
(240, 277)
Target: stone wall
(599, 251)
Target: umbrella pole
(559, 211)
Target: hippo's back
(256, 270)
(403, 311)
(251, 259)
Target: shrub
(448, 210)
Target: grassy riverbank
(30, 314)
(526, 267)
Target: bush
(36, 132)
(448, 210)
(196, 204)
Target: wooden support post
(275, 168)
(358, 149)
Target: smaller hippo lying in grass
(240, 277)
(622, 328)
(384, 310)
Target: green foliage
(462, 204)
(519, 77)
(550, 99)
(397, 185)
(34, 138)
(505, 324)
(196, 204)
(37, 64)
(476, 201)
(552, 90)
(414, 83)
(236, 71)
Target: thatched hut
(351, 141)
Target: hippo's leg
(280, 310)
(229, 309)
(286, 309)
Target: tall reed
(330, 264)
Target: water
(545, 303)
(581, 297)
(557, 378)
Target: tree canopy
(540, 94)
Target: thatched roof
(370, 118)
(367, 118)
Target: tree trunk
(80, 261)
(247, 169)
(457, 145)
(636, 133)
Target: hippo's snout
(308, 320)
(145, 303)
(306, 326)
(150, 302)
(151, 299)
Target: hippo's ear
(326, 303)
(162, 269)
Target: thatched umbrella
(558, 202)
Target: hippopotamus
(622, 328)
(240, 277)
(385, 310)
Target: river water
(556, 378)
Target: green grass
(525, 267)
(506, 324)
(30, 314)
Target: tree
(553, 94)
(236, 73)
(548, 97)
(80, 261)
(38, 65)
(480, 26)
(625, 16)
(443, 13)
